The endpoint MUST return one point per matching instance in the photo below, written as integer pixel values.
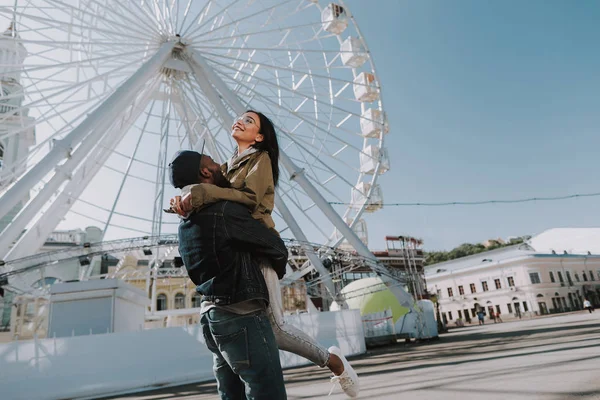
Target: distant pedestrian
(480, 317)
(588, 306)
(493, 316)
(498, 318)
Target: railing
(379, 324)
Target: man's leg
(229, 385)
(248, 345)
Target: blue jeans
(245, 355)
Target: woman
(253, 172)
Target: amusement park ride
(97, 95)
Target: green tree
(468, 249)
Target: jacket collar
(236, 159)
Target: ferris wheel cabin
(365, 88)
(334, 19)
(373, 122)
(353, 53)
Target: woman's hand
(182, 205)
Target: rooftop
(556, 241)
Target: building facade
(17, 129)
(553, 272)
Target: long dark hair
(269, 143)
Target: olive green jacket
(252, 185)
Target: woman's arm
(256, 184)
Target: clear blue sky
(486, 100)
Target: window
(498, 309)
(450, 315)
(497, 283)
(484, 285)
(459, 314)
(577, 277)
(473, 290)
(569, 278)
(552, 277)
(44, 283)
(535, 277)
(461, 290)
(525, 308)
(511, 281)
(591, 276)
(161, 302)
(560, 277)
(509, 306)
(474, 312)
(179, 301)
(584, 276)
(450, 294)
(196, 300)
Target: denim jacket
(220, 245)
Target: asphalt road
(553, 358)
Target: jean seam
(301, 340)
(257, 320)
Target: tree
(467, 249)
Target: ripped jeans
(288, 337)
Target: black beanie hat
(185, 168)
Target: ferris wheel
(97, 96)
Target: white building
(552, 272)
(17, 129)
(25, 315)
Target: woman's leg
(288, 337)
(291, 339)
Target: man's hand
(182, 205)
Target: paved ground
(554, 358)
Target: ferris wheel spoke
(309, 218)
(198, 18)
(218, 146)
(140, 11)
(246, 17)
(186, 12)
(113, 225)
(274, 86)
(58, 25)
(46, 118)
(127, 173)
(200, 40)
(120, 56)
(191, 33)
(197, 103)
(283, 67)
(169, 15)
(64, 91)
(133, 25)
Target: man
(588, 305)
(218, 244)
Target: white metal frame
(224, 101)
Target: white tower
(14, 120)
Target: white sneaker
(348, 380)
